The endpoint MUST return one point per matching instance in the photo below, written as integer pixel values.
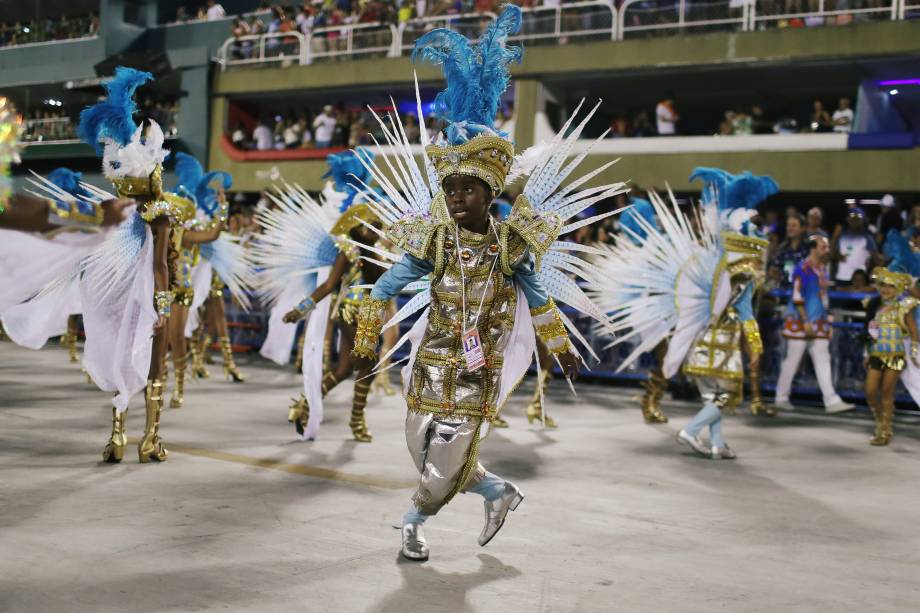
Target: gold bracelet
(550, 328)
(369, 326)
(162, 301)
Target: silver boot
(723, 453)
(496, 510)
(694, 443)
(414, 545)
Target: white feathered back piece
(228, 258)
(295, 242)
(661, 284)
(408, 190)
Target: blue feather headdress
(109, 126)
(476, 75)
(903, 258)
(113, 118)
(69, 181)
(193, 182)
(734, 197)
(349, 172)
(640, 209)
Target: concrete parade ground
(617, 516)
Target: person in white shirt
(324, 127)
(667, 117)
(843, 116)
(239, 136)
(263, 137)
(215, 11)
(854, 248)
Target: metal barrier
(263, 48)
(813, 13)
(585, 20)
(351, 40)
(591, 19)
(650, 17)
(468, 24)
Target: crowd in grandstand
(48, 29)
(58, 125)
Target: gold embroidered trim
(488, 158)
(369, 326)
(537, 230)
(752, 336)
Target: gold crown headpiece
(488, 158)
(900, 280)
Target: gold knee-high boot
(655, 386)
(299, 413)
(883, 430)
(206, 349)
(178, 397)
(115, 447)
(298, 361)
(151, 445)
(382, 380)
(69, 340)
(358, 421)
(757, 403)
(535, 410)
(196, 347)
(229, 365)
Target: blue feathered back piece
(629, 220)
(69, 181)
(195, 183)
(348, 173)
(903, 258)
(476, 75)
(730, 191)
(113, 117)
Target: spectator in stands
(859, 283)
(215, 11)
(263, 137)
(759, 122)
(641, 126)
(306, 136)
(808, 326)
(666, 116)
(914, 228)
(815, 222)
(619, 127)
(291, 134)
(843, 116)
(820, 119)
(324, 127)
(854, 248)
(413, 133)
(241, 49)
(238, 138)
(793, 249)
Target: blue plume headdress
(349, 173)
(731, 194)
(69, 181)
(113, 118)
(195, 183)
(476, 75)
(640, 209)
(903, 258)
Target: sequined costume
(484, 297)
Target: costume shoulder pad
(527, 228)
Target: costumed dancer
(736, 197)
(30, 324)
(201, 238)
(892, 335)
(692, 283)
(303, 238)
(125, 283)
(486, 301)
(656, 384)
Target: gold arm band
(550, 329)
(370, 324)
(752, 336)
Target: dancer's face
(468, 200)
(887, 292)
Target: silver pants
(443, 450)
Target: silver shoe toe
(414, 545)
(723, 453)
(694, 443)
(497, 510)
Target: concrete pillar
(527, 96)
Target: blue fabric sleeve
(530, 283)
(401, 274)
(744, 305)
